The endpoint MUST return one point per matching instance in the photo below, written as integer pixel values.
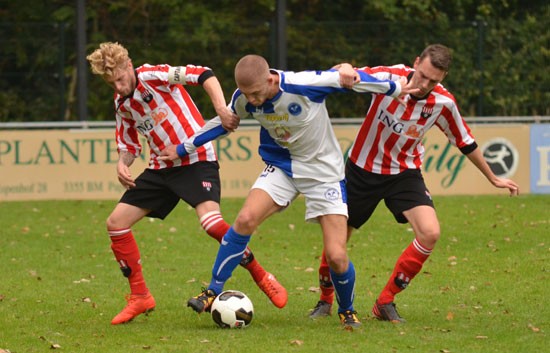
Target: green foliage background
(501, 47)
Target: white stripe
(210, 219)
(420, 248)
(115, 233)
(228, 259)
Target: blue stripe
(343, 191)
(316, 94)
(209, 135)
(368, 78)
(274, 154)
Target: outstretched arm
(229, 120)
(212, 130)
(477, 159)
(349, 77)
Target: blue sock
(229, 256)
(344, 287)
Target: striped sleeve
(450, 121)
(186, 75)
(127, 138)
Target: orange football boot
(137, 304)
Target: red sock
(126, 252)
(407, 267)
(325, 283)
(214, 224)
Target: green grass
(484, 289)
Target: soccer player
(302, 156)
(151, 100)
(385, 164)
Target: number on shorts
(268, 169)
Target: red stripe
(448, 115)
(374, 148)
(387, 157)
(365, 127)
(403, 155)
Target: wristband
(181, 151)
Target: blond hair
(108, 58)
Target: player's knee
(246, 222)
(338, 261)
(429, 236)
(113, 223)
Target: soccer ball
(232, 309)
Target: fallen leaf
(533, 328)
(55, 346)
(481, 337)
(296, 342)
(450, 316)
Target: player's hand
(230, 121)
(406, 88)
(348, 76)
(125, 176)
(511, 185)
(169, 153)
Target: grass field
(484, 289)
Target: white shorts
(321, 198)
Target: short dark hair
(440, 56)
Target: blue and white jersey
(296, 134)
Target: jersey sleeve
(318, 84)
(188, 75)
(212, 130)
(372, 84)
(392, 73)
(127, 138)
(453, 125)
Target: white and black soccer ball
(232, 309)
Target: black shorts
(400, 192)
(160, 190)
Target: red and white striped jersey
(390, 138)
(161, 110)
